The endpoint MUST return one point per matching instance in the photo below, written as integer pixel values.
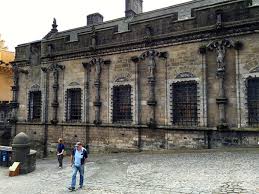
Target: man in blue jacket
(78, 158)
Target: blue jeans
(81, 172)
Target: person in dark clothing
(60, 152)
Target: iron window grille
(253, 101)
(35, 106)
(74, 105)
(2, 116)
(122, 104)
(184, 103)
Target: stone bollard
(23, 154)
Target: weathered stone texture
(160, 50)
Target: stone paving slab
(172, 173)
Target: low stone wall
(116, 139)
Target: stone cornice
(233, 29)
(161, 41)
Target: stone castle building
(6, 81)
(185, 76)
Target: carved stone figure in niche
(35, 58)
(98, 69)
(55, 75)
(219, 19)
(148, 31)
(151, 66)
(220, 48)
(221, 51)
(16, 74)
(93, 38)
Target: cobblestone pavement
(190, 173)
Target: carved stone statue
(98, 69)
(151, 66)
(93, 37)
(221, 51)
(54, 24)
(219, 21)
(16, 76)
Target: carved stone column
(15, 89)
(87, 94)
(220, 47)
(97, 63)
(204, 113)
(55, 68)
(151, 56)
(238, 47)
(45, 109)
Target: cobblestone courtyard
(199, 172)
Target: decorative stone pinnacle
(54, 25)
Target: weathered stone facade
(208, 46)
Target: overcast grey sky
(24, 21)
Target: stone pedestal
(23, 154)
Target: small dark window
(35, 106)
(74, 105)
(184, 105)
(122, 104)
(253, 101)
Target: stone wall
(217, 49)
(129, 139)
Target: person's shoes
(81, 186)
(59, 167)
(71, 188)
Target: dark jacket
(85, 155)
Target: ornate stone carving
(254, 70)
(54, 29)
(121, 79)
(93, 39)
(221, 46)
(185, 75)
(218, 19)
(54, 68)
(73, 84)
(35, 87)
(97, 63)
(150, 56)
(15, 87)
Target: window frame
(249, 100)
(193, 119)
(69, 105)
(32, 117)
(129, 114)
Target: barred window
(74, 104)
(122, 104)
(35, 106)
(184, 103)
(2, 116)
(253, 101)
